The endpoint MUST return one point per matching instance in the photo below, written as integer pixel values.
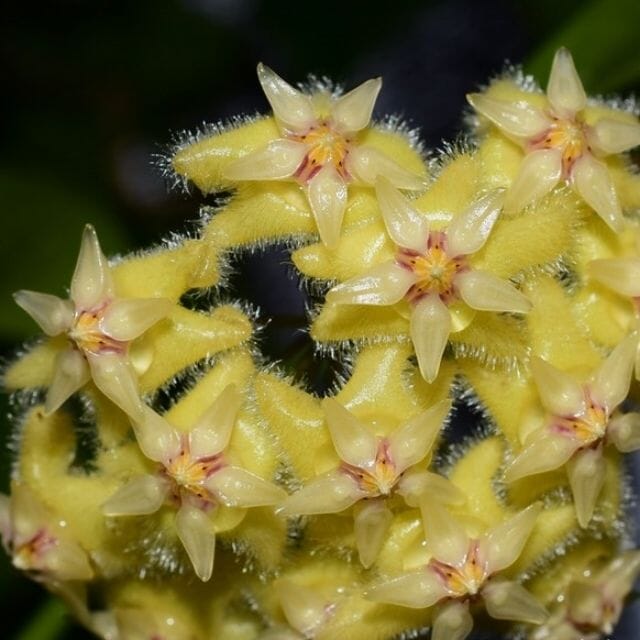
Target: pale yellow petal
(446, 537)
(416, 485)
(70, 373)
(158, 440)
(91, 281)
(417, 589)
(278, 160)
(452, 622)
(621, 275)
(304, 608)
(52, 314)
(352, 111)
(624, 432)
(139, 496)
(564, 89)
(327, 193)
(367, 164)
(128, 318)
(430, 329)
(196, 533)
(483, 291)
(612, 380)
(586, 471)
(237, 487)
(559, 392)
(371, 523)
(511, 601)
(609, 136)
(67, 560)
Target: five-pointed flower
(432, 271)
(563, 140)
(462, 570)
(195, 476)
(320, 148)
(581, 422)
(100, 328)
(372, 469)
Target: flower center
(380, 478)
(89, 337)
(325, 146)
(467, 578)
(28, 555)
(588, 427)
(568, 137)
(189, 474)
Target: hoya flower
(320, 148)
(38, 541)
(582, 420)
(372, 469)
(99, 327)
(564, 141)
(433, 272)
(195, 476)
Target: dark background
(93, 89)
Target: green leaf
(49, 622)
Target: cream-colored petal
(446, 537)
(468, 231)
(610, 136)
(539, 173)
(415, 486)
(128, 318)
(406, 226)
(621, 275)
(70, 373)
(367, 164)
(430, 329)
(139, 496)
(619, 575)
(52, 314)
(237, 487)
(483, 291)
(304, 609)
(416, 589)
(624, 432)
(506, 600)
(197, 535)
(327, 193)
(27, 513)
(559, 392)
(592, 181)
(212, 431)
(113, 375)
(384, 284)
(280, 159)
(411, 442)
(452, 622)
(612, 380)
(331, 492)
(352, 111)
(291, 107)
(158, 440)
(502, 545)
(564, 89)
(354, 442)
(517, 119)
(91, 281)
(67, 560)
(586, 471)
(585, 604)
(371, 523)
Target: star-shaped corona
(320, 148)
(564, 140)
(433, 271)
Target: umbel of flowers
(171, 484)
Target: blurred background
(94, 89)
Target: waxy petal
(564, 89)
(430, 329)
(621, 275)
(158, 440)
(612, 380)
(139, 496)
(446, 537)
(27, 513)
(584, 604)
(624, 432)
(506, 600)
(452, 622)
(303, 608)
(70, 373)
(128, 318)
(291, 107)
(352, 111)
(91, 282)
(416, 589)
(67, 560)
(610, 136)
(237, 487)
(52, 314)
(280, 159)
(592, 181)
(415, 486)
(539, 173)
(371, 524)
(197, 535)
(559, 392)
(327, 195)
(367, 164)
(483, 291)
(586, 471)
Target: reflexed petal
(559, 392)
(613, 378)
(327, 195)
(624, 432)
(70, 373)
(586, 472)
(196, 533)
(517, 119)
(539, 173)
(468, 231)
(331, 492)
(416, 485)
(411, 442)
(113, 375)
(293, 108)
(127, 318)
(564, 89)
(502, 545)
(367, 164)
(446, 537)
(371, 524)
(140, 496)
(353, 110)
(452, 622)
(592, 180)
(52, 314)
(384, 284)
(158, 440)
(67, 561)
(511, 601)
(485, 292)
(621, 275)
(584, 603)
(430, 329)
(91, 281)
(613, 136)
(407, 227)
(354, 442)
(237, 487)
(280, 159)
(303, 608)
(417, 589)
